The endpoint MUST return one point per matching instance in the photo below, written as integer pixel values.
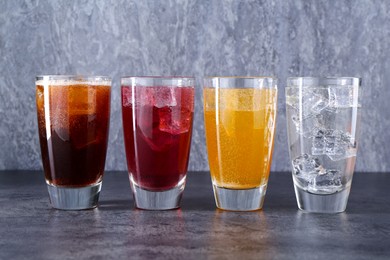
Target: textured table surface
(30, 228)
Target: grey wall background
(118, 37)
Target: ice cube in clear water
(343, 148)
(312, 176)
(292, 99)
(307, 125)
(307, 117)
(314, 100)
(331, 137)
(318, 147)
(310, 101)
(306, 168)
(341, 96)
(305, 164)
(329, 182)
(336, 144)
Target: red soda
(157, 126)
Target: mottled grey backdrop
(118, 37)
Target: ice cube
(306, 168)
(336, 144)
(317, 103)
(292, 99)
(165, 97)
(305, 164)
(328, 182)
(60, 123)
(339, 145)
(82, 100)
(318, 143)
(332, 110)
(63, 133)
(144, 96)
(174, 120)
(126, 96)
(170, 121)
(83, 131)
(314, 100)
(307, 125)
(40, 93)
(312, 176)
(341, 96)
(343, 148)
(331, 137)
(160, 141)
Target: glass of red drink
(157, 115)
(73, 121)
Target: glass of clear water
(323, 123)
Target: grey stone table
(31, 229)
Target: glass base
(240, 200)
(74, 198)
(157, 200)
(320, 203)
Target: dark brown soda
(73, 131)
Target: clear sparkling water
(322, 124)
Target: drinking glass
(323, 122)
(157, 115)
(73, 120)
(240, 114)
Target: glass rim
(238, 82)
(240, 77)
(159, 77)
(330, 77)
(160, 81)
(73, 80)
(323, 81)
(76, 77)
